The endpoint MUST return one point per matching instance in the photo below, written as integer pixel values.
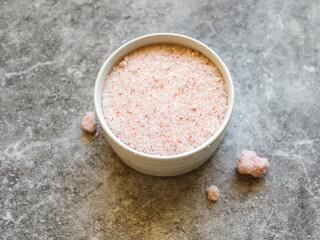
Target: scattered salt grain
(89, 122)
(250, 163)
(164, 99)
(213, 193)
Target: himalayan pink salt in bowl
(164, 101)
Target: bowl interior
(160, 38)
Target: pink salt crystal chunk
(213, 193)
(249, 163)
(89, 122)
(123, 64)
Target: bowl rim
(211, 140)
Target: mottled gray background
(57, 182)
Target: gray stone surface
(57, 182)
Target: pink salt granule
(164, 99)
(250, 163)
(89, 122)
(213, 193)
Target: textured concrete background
(57, 182)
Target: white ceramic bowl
(163, 165)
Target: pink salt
(250, 163)
(89, 122)
(164, 99)
(213, 193)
